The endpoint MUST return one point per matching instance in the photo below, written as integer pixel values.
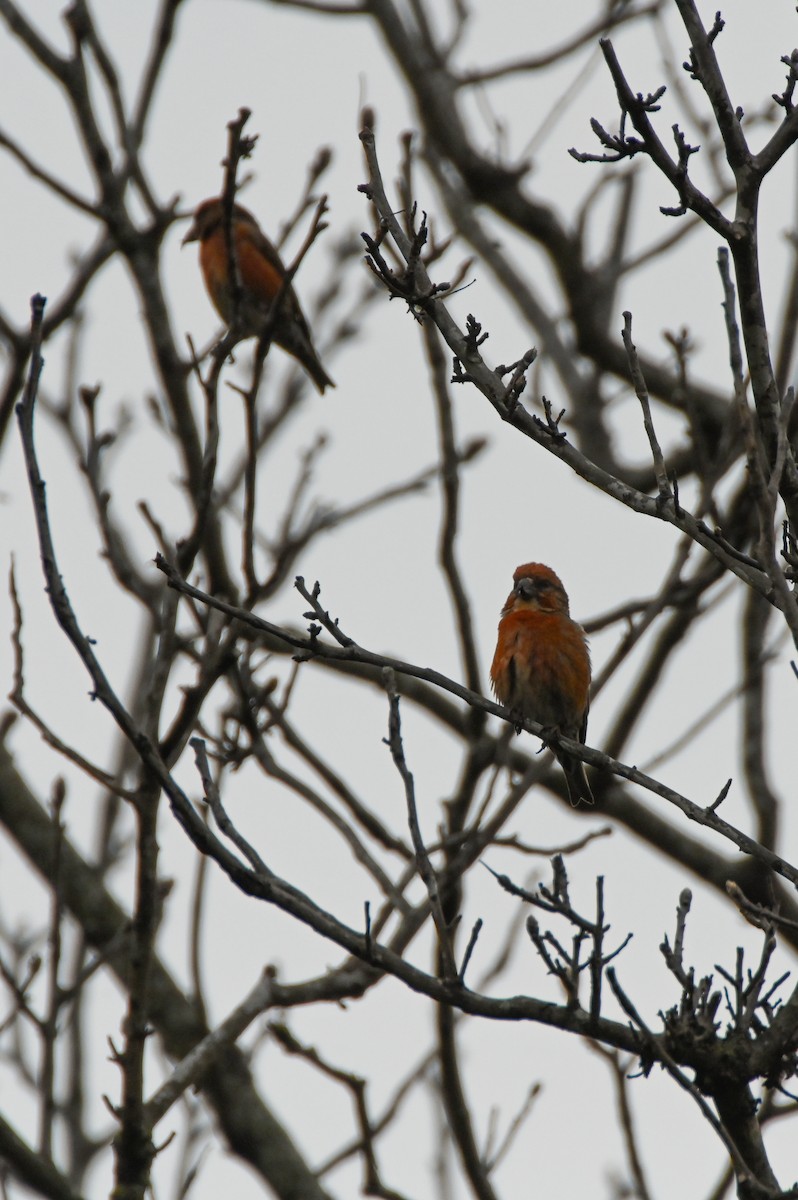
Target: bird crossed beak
(192, 235)
(526, 588)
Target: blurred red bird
(261, 272)
(541, 667)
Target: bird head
(209, 216)
(537, 589)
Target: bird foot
(549, 736)
(518, 719)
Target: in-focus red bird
(541, 667)
(261, 272)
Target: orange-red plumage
(261, 273)
(541, 667)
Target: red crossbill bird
(541, 667)
(261, 273)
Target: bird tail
(317, 373)
(576, 780)
(294, 337)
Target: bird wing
(259, 264)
